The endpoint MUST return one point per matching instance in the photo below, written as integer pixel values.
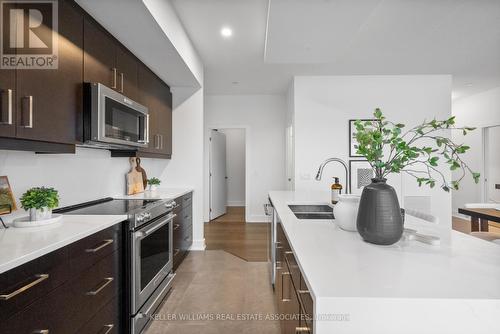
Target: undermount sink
(312, 211)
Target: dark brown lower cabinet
(183, 228)
(293, 299)
(50, 295)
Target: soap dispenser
(336, 191)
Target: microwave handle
(146, 132)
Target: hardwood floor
(232, 234)
(215, 283)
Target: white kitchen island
(408, 287)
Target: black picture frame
(351, 174)
(352, 150)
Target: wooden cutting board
(143, 172)
(134, 179)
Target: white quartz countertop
(160, 193)
(380, 286)
(21, 245)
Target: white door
(218, 186)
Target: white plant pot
(346, 212)
(153, 187)
(40, 214)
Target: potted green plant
(153, 183)
(417, 152)
(40, 201)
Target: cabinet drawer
(69, 306)
(86, 252)
(106, 321)
(25, 284)
(293, 268)
(305, 298)
(187, 200)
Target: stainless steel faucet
(326, 162)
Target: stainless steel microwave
(112, 119)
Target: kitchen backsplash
(87, 175)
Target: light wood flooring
(215, 283)
(230, 232)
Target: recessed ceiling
(274, 40)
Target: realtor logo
(29, 34)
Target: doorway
(227, 174)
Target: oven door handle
(143, 234)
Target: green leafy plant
(416, 151)
(154, 181)
(40, 197)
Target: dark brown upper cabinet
(107, 62)
(39, 107)
(7, 103)
(127, 67)
(48, 101)
(156, 95)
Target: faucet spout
(342, 162)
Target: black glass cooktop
(106, 206)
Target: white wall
(186, 167)
(480, 110)
(89, 174)
(324, 105)
(235, 166)
(263, 118)
(493, 164)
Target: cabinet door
(7, 103)
(48, 101)
(127, 67)
(99, 58)
(165, 119)
(147, 86)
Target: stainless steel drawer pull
(108, 328)
(29, 101)
(303, 292)
(41, 331)
(107, 280)
(283, 299)
(8, 121)
(279, 265)
(176, 226)
(101, 246)
(113, 85)
(40, 278)
(289, 252)
(302, 330)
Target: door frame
(223, 126)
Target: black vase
(379, 215)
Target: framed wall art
(361, 174)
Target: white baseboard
(235, 203)
(258, 219)
(198, 245)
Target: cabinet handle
(283, 299)
(176, 226)
(98, 248)
(28, 103)
(302, 330)
(40, 278)
(113, 85)
(107, 280)
(108, 328)
(161, 142)
(278, 265)
(176, 251)
(9, 107)
(157, 141)
(121, 82)
(303, 292)
(41, 331)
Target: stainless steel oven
(152, 256)
(112, 119)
